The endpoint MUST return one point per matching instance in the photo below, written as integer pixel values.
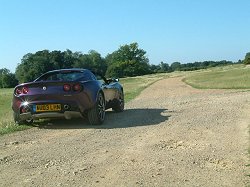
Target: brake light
(77, 87)
(66, 87)
(18, 91)
(25, 90)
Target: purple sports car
(67, 93)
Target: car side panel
(112, 92)
(93, 88)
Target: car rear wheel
(119, 103)
(96, 115)
(18, 121)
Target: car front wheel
(119, 103)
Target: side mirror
(108, 81)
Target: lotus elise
(67, 93)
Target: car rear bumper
(66, 115)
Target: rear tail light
(77, 87)
(18, 91)
(23, 90)
(66, 87)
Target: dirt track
(171, 135)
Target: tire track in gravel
(170, 135)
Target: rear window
(65, 76)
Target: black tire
(18, 121)
(96, 115)
(119, 103)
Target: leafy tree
(92, 61)
(165, 67)
(247, 58)
(239, 62)
(62, 60)
(33, 65)
(176, 66)
(7, 79)
(83, 61)
(128, 60)
(115, 70)
(98, 64)
(155, 68)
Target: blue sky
(168, 30)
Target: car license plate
(48, 107)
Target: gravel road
(170, 135)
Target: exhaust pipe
(66, 107)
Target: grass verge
(6, 129)
(7, 124)
(227, 77)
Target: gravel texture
(171, 135)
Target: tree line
(129, 60)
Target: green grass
(228, 77)
(133, 86)
(7, 124)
